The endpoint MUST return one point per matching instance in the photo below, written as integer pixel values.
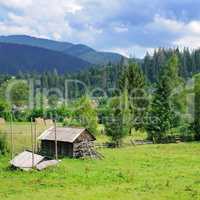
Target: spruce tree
(114, 122)
(133, 78)
(118, 123)
(196, 125)
(162, 116)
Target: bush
(3, 144)
(72, 122)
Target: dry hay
(48, 122)
(2, 121)
(39, 121)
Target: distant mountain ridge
(36, 42)
(77, 50)
(18, 57)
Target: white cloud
(133, 51)
(102, 24)
(46, 18)
(161, 23)
(54, 19)
(187, 34)
(190, 35)
(121, 29)
(73, 7)
(19, 4)
(188, 41)
(10, 29)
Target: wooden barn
(71, 142)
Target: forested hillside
(81, 51)
(15, 58)
(108, 76)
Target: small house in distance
(71, 142)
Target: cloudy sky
(130, 27)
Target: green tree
(86, 113)
(118, 123)
(162, 116)
(196, 125)
(19, 93)
(133, 79)
(4, 109)
(53, 100)
(3, 144)
(114, 122)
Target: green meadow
(161, 172)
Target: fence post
(32, 142)
(56, 147)
(11, 135)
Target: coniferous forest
(155, 78)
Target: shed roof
(45, 164)
(63, 134)
(25, 159)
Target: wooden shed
(67, 139)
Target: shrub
(72, 122)
(3, 144)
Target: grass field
(22, 135)
(166, 172)
(160, 172)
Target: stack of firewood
(86, 149)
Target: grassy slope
(139, 173)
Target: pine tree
(196, 125)
(147, 67)
(134, 78)
(162, 115)
(118, 123)
(126, 113)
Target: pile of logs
(86, 149)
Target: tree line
(189, 62)
(138, 104)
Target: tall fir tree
(118, 119)
(162, 116)
(133, 78)
(196, 125)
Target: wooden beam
(32, 142)
(56, 143)
(11, 135)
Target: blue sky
(129, 27)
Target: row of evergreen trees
(107, 77)
(160, 108)
(189, 62)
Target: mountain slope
(15, 58)
(81, 51)
(95, 57)
(36, 42)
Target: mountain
(95, 57)
(77, 50)
(17, 57)
(36, 42)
